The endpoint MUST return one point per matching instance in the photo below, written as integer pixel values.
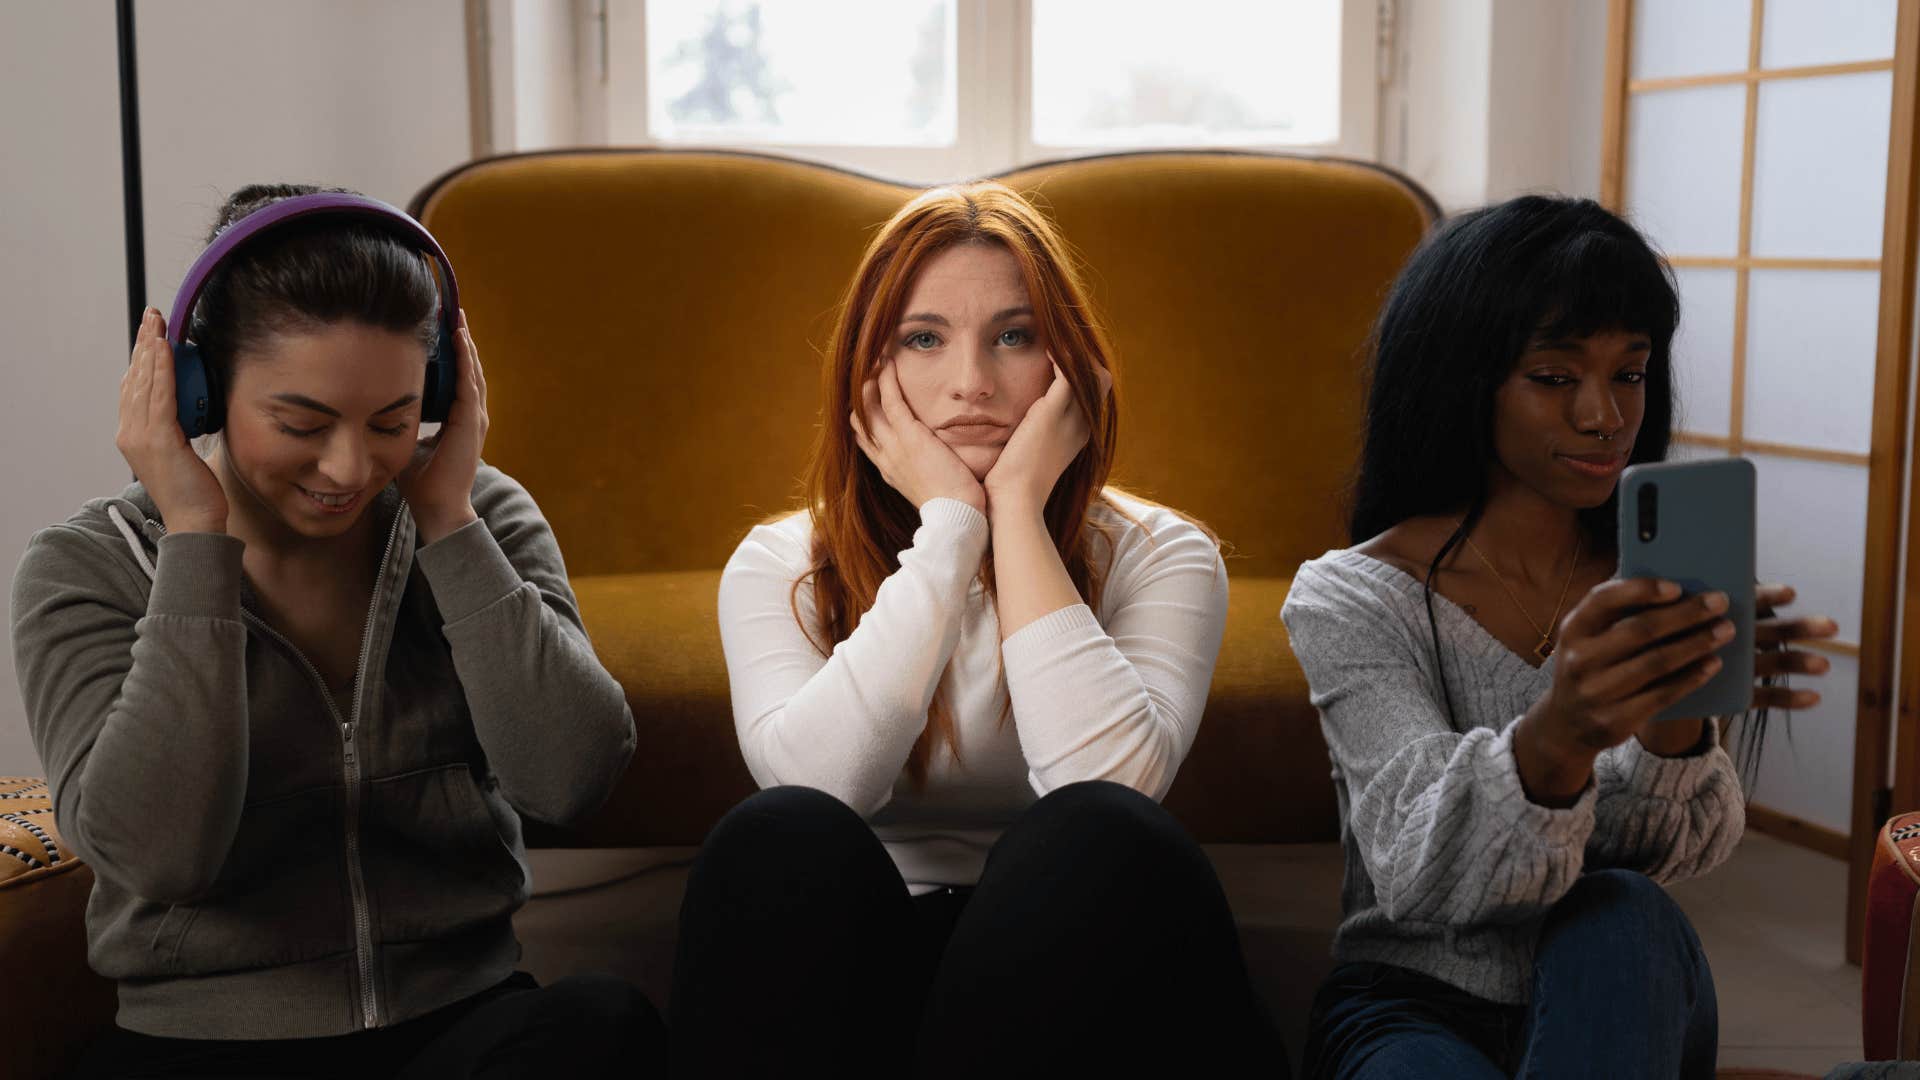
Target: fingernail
(1667, 590)
(1822, 665)
(1712, 665)
(1723, 630)
(1716, 602)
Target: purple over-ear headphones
(202, 401)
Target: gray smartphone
(1691, 522)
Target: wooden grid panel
(1743, 262)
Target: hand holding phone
(1692, 523)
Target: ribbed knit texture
(1450, 866)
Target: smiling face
(1566, 417)
(968, 351)
(320, 422)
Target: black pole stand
(130, 174)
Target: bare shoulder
(1410, 545)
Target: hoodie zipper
(356, 877)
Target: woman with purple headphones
(294, 697)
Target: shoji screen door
(1752, 140)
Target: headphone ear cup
(437, 396)
(196, 395)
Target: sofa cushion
(1257, 773)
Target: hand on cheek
(1047, 440)
(910, 457)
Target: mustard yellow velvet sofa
(651, 323)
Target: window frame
(993, 109)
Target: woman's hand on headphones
(1042, 445)
(438, 486)
(911, 458)
(182, 485)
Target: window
(929, 90)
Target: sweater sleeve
(844, 723)
(554, 724)
(1122, 701)
(1447, 832)
(1669, 818)
(138, 705)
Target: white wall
(543, 75)
(360, 93)
(62, 288)
(1492, 98)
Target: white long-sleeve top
(1109, 695)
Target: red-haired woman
(964, 676)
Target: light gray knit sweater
(1449, 866)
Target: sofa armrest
(55, 1003)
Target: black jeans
(1097, 941)
(587, 1025)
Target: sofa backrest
(652, 324)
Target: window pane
(1820, 166)
(1690, 37)
(1683, 167)
(1703, 350)
(853, 73)
(1801, 32)
(1811, 522)
(1144, 72)
(1812, 336)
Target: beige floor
(1773, 920)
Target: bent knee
(1620, 896)
(781, 829)
(1098, 805)
(785, 810)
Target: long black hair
(1456, 321)
(1458, 318)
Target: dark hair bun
(259, 196)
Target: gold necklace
(1545, 648)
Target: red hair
(860, 524)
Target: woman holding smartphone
(965, 674)
(1488, 691)
(293, 698)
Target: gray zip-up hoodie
(272, 862)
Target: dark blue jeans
(1620, 988)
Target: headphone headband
(201, 404)
(332, 204)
